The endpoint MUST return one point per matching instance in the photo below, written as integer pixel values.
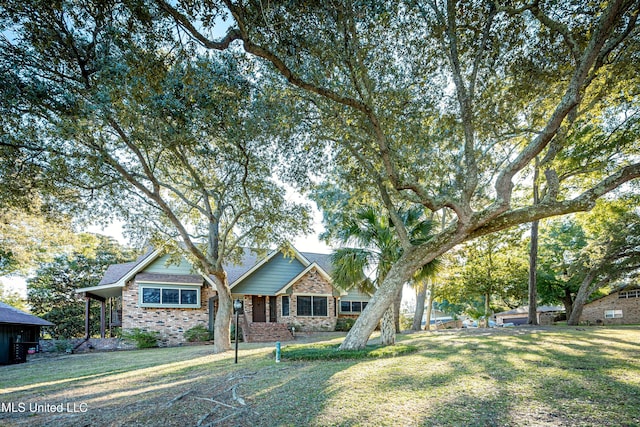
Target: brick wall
(171, 323)
(594, 311)
(311, 283)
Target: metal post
(237, 304)
(278, 352)
(237, 336)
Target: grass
(557, 377)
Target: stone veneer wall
(594, 311)
(171, 323)
(311, 283)
(97, 344)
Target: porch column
(102, 318)
(87, 313)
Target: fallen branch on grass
(216, 402)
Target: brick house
(620, 307)
(284, 290)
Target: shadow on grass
(529, 378)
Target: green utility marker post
(278, 352)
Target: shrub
(344, 324)
(62, 346)
(406, 322)
(233, 333)
(198, 333)
(143, 339)
(330, 352)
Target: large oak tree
(166, 139)
(447, 104)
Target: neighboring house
(279, 293)
(620, 307)
(520, 315)
(19, 332)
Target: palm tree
(376, 248)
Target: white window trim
(327, 296)
(634, 293)
(161, 286)
(613, 314)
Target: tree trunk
(396, 310)
(533, 277)
(567, 301)
(427, 324)
(421, 296)
(400, 273)
(387, 327)
(382, 299)
(222, 323)
(487, 309)
(533, 253)
(586, 289)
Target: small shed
(19, 332)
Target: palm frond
(349, 267)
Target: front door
(259, 309)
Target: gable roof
(249, 269)
(277, 282)
(9, 314)
(312, 266)
(117, 275)
(116, 272)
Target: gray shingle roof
(116, 272)
(323, 260)
(248, 259)
(9, 314)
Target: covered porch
(110, 299)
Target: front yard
(503, 377)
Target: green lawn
(504, 377)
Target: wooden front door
(259, 309)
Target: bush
(233, 333)
(198, 333)
(344, 324)
(331, 352)
(143, 339)
(406, 322)
(62, 346)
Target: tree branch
(583, 202)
